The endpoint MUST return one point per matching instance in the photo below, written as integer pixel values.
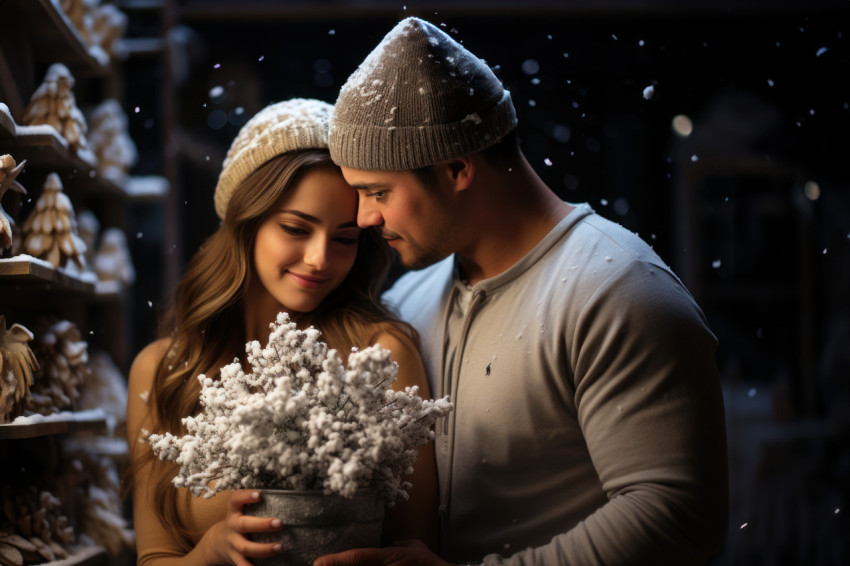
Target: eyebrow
(366, 186)
(313, 220)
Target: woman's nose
(316, 255)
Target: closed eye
(293, 231)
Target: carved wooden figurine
(8, 172)
(50, 231)
(17, 363)
(53, 103)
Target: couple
(588, 425)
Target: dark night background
(752, 209)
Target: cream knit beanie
(419, 98)
(298, 123)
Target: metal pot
(315, 523)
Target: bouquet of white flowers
(303, 421)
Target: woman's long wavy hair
(205, 322)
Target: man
(588, 425)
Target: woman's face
(307, 245)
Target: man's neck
(508, 225)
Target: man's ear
(461, 172)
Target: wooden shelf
(82, 556)
(54, 37)
(44, 148)
(34, 271)
(58, 423)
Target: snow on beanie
(419, 98)
(298, 123)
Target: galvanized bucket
(315, 524)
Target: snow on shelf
(28, 268)
(7, 123)
(31, 426)
(144, 188)
(44, 147)
(130, 46)
(108, 288)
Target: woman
(288, 241)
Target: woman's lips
(308, 281)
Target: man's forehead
(360, 178)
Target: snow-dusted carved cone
(102, 506)
(76, 12)
(50, 231)
(53, 103)
(115, 151)
(8, 172)
(88, 228)
(17, 363)
(113, 262)
(64, 367)
(35, 526)
(106, 25)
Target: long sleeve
(649, 406)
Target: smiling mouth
(307, 280)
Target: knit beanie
(298, 123)
(419, 98)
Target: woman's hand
(226, 542)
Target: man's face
(414, 220)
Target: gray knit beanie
(299, 123)
(419, 98)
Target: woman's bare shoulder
(144, 366)
(405, 352)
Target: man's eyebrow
(367, 186)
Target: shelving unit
(35, 34)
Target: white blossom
(303, 420)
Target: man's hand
(403, 553)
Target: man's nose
(367, 215)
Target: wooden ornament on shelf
(50, 231)
(113, 261)
(53, 103)
(108, 138)
(106, 26)
(64, 368)
(76, 12)
(8, 172)
(17, 363)
(39, 519)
